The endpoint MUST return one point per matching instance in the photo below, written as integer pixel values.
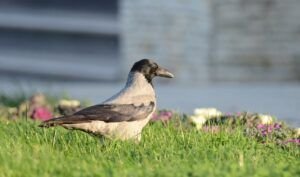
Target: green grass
(27, 150)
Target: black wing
(106, 113)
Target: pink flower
(166, 113)
(41, 113)
(260, 126)
(154, 116)
(264, 133)
(269, 129)
(162, 116)
(277, 126)
(228, 114)
(296, 141)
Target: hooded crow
(124, 115)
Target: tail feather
(51, 122)
(71, 119)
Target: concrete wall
(175, 33)
(59, 40)
(215, 40)
(256, 40)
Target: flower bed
(262, 127)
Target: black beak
(162, 72)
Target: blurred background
(235, 55)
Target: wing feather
(106, 113)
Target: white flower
(207, 112)
(201, 115)
(74, 103)
(197, 120)
(265, 119)
(298, 131)
(12, 110)
(69, 103)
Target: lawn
(165, 150)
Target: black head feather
(146, 67)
